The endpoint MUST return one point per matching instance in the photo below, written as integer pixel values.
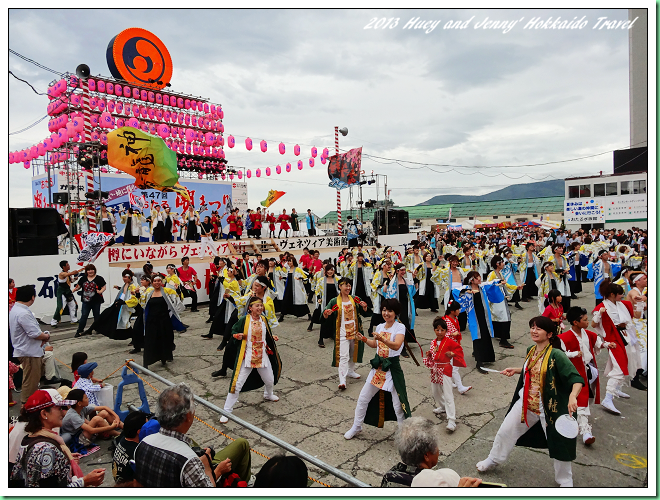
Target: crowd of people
(161, 225)
(363, 297)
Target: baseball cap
(86, 369)
(443, 478)
(42, 399)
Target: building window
(495, 217)
(585, 190)
(508, 216)
(471, 218)
(639, 187)
(535, 215)
(521, 220)
(626, 187)
(599, 189)
(610, 189)
(573, 191)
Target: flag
(344, 169)
(91, 244)
(449, 216)
(272, 197)
(144, 156)
(138, 202)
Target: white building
(606, 201)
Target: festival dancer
(452, 278)
(510, 274)
(601, 269)
(475, 298)
(412, 261)
(207, 238)
(191, 220)
(530, 272)
(428, 278)
(190, 280)
(383, 396)
(228, 287)
(581, 346)
(326, 289)
(64, 294)
(500, 311)
(549, 280)
(379, 282)
(440, 358)
(257, 222)
(612, 320)
(132, 221)
(548, 388)
(283, 219)
(256, 349)
(295, 299)
(270, 218)
(362, 273)
(563, 271)
(454, 331)
(574, 268)
(138, 327)
(295, 224)
(639, 300)
(114, 322)
(402, 289)
(347, 327)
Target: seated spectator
(417, 445)
(78, 359)
(282, 472)
(167, 460)
(125, 448)
(44, 461)
(84, 421)
(443, 478)
(86, 373)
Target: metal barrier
(273, 439)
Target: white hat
(443, 478)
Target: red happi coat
(572, 344)
(612, 335)
(271, 222)
(453, 328)
(438, 362)
(232, 223)
(256, 221)
(284, 221)
(239, 226)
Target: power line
(28, 83)
(35, 63)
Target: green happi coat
(380, 407)
(557, 378)
(335, 317)
(254, 380)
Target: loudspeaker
(60, 198)
(397, 221)
(34, 231)
(83, 71)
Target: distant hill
(532, 190)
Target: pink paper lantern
(95, 136)
(193, 121)
(75, 100)
(144, 127)
(151, 112)
(314, 152)
(193, 105)
(159, 98)
(119, 90)
(135, 110)
(311, 162)
(221, 154)
(264, 147)
(143, 95)
(128, 91)
(326, 153)
(110, 88)
(221, 114)
(300, 165)
(288, 167)
(135, 93)
(248, 145)
(186, 104)
(258, 172)
(120, 122)
(296, 150)
(73, 81)
(93, 103)
(231, 142)
(94, 119)
(179, 102)
(104, 139)
(133, 122)
(248, 173)
(143, 112)
(119, 107)
(282, 148)
(180, 118)
(166, 100)
(167, 116)
(111, 106)
(33, 153)
(106, 120)
(278, 170)
(159, 114)
(152, 129)
(151, 97)
(78, 124)
(190, 135)
(100, 86)
(209, 138)
(220, 127)
(91, 84)
(101, 105)
(240, 175)
(186, 119)
(104, 169)
(26, 164)
(231, 177)
(70, 130)
(323, 159)
(41, 149)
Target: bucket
(106, 396)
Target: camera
(200, 452)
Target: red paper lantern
(278, 169)
(296, 150)
(258, 172)
(248, 173)
(300, 165)
(264, 146)
(288, 167)
(248, 145)
(282, 148)
(314, 152)
(231, 142)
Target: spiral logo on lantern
(138, 56)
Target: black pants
(193, 295)
(311, 231)
(87, 307)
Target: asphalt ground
(313, 414)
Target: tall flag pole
(339, 224)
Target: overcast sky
(453, 97)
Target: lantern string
(29, 126)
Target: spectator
(443, 478)
(311, 221)
(93, 287)
(27, 340)
(282, 472)
(44, 461)
(125, 448)
(86, 373)
(417, 444)
(79, 430)
(166, 459)
(77, 360)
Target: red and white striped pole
(86, 136)
(339, 224)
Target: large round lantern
(209, 138)
(105, 120)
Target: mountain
(518, 191)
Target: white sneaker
(451, 426)
(608, 404)
(465, 389)
(352, 432)
(485, 465)
(588, 438)
(354, 375)
(54, 322)
(224, 420)
(272, 397)
(438, 411)
(622, 395)
(74, 320)
(453, 385)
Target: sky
(473, 96)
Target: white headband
(639, 276)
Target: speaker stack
(397, 221)
(34, 231)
